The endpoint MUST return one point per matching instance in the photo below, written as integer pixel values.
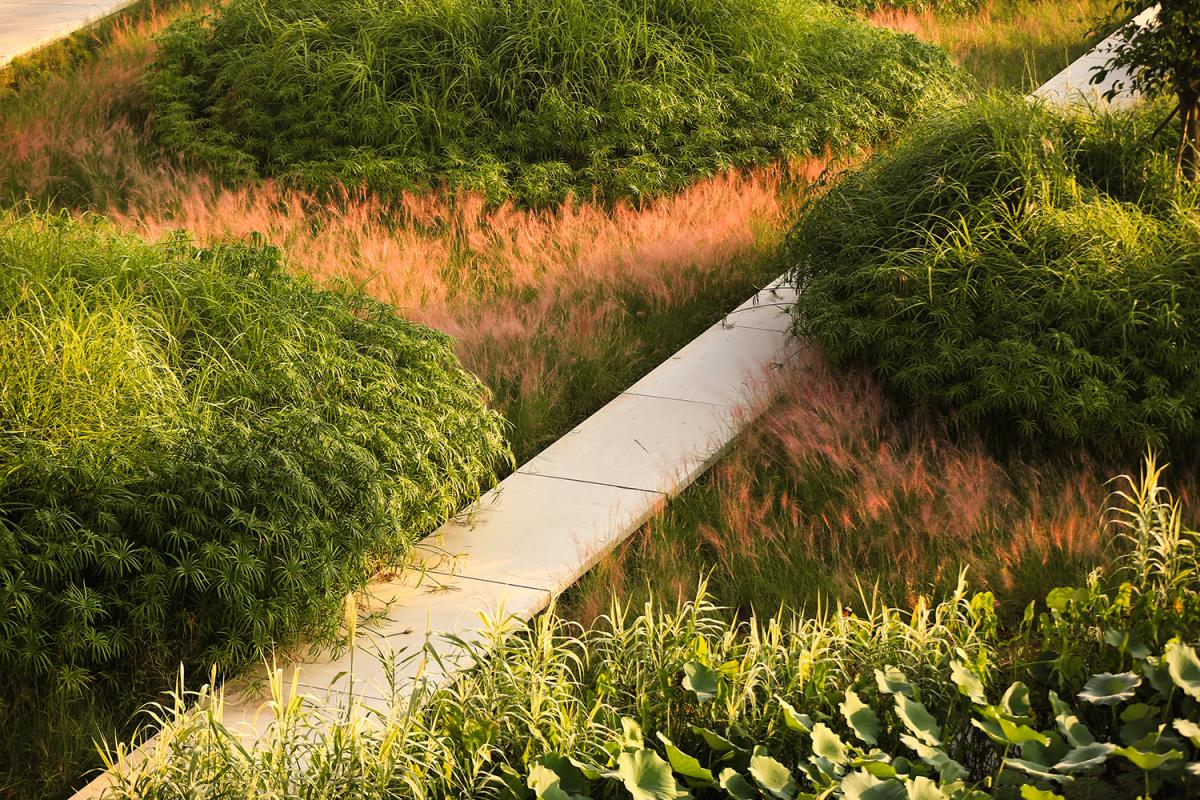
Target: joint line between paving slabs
(493, 581)
(599, 483)
(676, 399)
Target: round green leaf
(1188, 729)
(772, 777)
(1035, 770)
(736, 786)
(1147, 760)
(892, 681)
(685, 765)
(917, 719)
(647, 777)
(922, 788)
(701, 681)
(1016, 701)
(1029, 792)
(1076, 733)
(1086, 757)
(860, 718)
(827, 744)
(865, 786)
(545, 783)
(796, 721)
(715, 741)
(1107, 689)
(1184, 668)
(968, 682)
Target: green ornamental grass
(1034, 272)
(202, 453)
(532, 100)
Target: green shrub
(1035, 273)
(924, 703)
(202, 454)
(527, 99)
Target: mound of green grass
(203, 454)
(1033, 272)
(527, 99)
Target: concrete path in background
(1073, 85)
(26, 25)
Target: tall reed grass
(556, 310)
(581, 707)
(836, 491)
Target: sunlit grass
(836, 489)
(1009, 44)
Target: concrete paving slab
(769, 309)
(638, 442)
(398, 617)
(1072, 86)
(538, 531)
(28, 25)
(724, 366)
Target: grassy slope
(818, 502)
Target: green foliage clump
(1033, 272)
(1096, 695)
(531, 100)
(202, 454)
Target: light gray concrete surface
(26, 25)
(1073, 85)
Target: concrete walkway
(26, 25)
(1073, 85)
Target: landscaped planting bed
(1092, 694)
(211, 437)
(203, 455)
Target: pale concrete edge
(84, 22)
